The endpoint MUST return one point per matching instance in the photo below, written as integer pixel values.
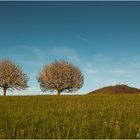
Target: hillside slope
(116, 89)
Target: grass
(97, 116)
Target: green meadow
(97, 116)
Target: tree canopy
(12, 76)
(61, 76)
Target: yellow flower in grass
(117, 125)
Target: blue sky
(102, 38)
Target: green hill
(116, 89)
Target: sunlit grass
(98, 116)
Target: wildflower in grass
(117, 129)
(117, 125)
(138, 135)
(106, 124)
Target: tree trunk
(58, 92)
(4, 92)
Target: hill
(116, 89)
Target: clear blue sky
(102, 38)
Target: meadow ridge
(98, 116)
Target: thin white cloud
(82, 38)
(134, 62)
(65, 52)
(89, 68)
(29, 56)
(90, 71)
(30, 48)
(119, 71)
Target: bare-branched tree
(12, 76)
(61, 76)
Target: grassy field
(98, 116)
